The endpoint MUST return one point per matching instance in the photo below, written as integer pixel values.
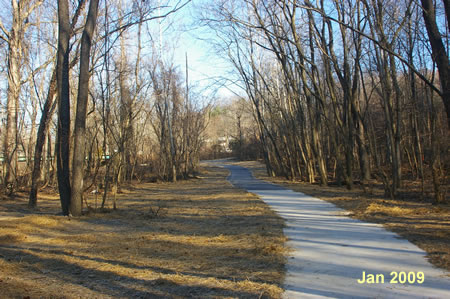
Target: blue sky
(206, 68)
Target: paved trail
(331, 251)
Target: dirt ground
(199, 238)
(419, 221)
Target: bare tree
(63, 89)
(440, 55)
(326, 82)
(15, 40)
(80, 119)
(46, 115)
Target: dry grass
(198, 238)
(422, 223)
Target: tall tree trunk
(32, 137)
(364, 160)
(13, 92)
(46, 115)
(63, 87)
(80, 119)
(439, 54)
(40, 140)
(49, 169)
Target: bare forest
(347, 93)
(88, 101)
(343, 92)
(109, 118)
(333, 92)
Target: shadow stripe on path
(331, 251)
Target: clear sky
(207, 69)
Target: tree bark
(63, 87)
(13, 92)
(46, 115)
(40, 140)
(438, 51)
(80, 118)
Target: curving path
(331, 251)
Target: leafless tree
(15, 38)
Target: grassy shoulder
(196, 238)
(420, 222)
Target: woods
(116, 111)
(346, 92)
(224, 148)
(328, 92)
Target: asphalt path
(335, 256)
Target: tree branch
(126, 26)
(5, 35)
(30, 10)
(396, 55)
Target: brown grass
(198, 238)
(420, 222)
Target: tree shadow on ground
(212, 241)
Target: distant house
(222, 143)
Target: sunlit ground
(197, 238)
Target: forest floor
(196, 238)
(419, 221)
